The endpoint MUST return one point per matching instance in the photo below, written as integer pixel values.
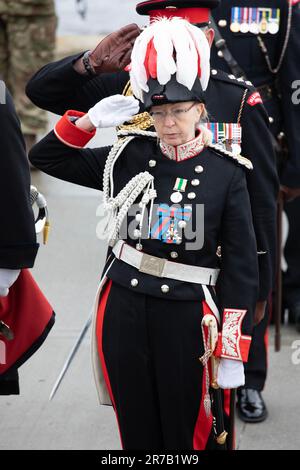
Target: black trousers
(291, 278)
(150, 349)
(257, 365)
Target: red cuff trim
(232, 344)
(71, 135)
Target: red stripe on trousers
(204, 423)
(99, 335)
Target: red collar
(183, 151)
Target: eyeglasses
(177, 114)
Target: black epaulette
(221, 152)
(231, 79)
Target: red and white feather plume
(166, 47)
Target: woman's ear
(199, 109)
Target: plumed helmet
(170, 59)
(172, 92)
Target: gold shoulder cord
(242, 106)
(142, 121)
(285, 44)
(265, 52)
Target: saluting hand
(113, 53)
(113, 111)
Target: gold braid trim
(238, 158)
(142, 121)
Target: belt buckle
(152, 265)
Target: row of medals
(176, 197)
(255, 20)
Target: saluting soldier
(152, 349)
(25, 316)
(238, 121)
(263, 39)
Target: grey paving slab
(281, 431)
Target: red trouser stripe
(99, 334)
(204, 423)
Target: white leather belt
(161, 267)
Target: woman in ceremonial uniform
(172, 198)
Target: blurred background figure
(260, 42)
(27, 42)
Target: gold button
(199, 169)
(222, 23)
(182, 223)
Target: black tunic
(227, 215)
(18, 246)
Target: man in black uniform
(18, 246)
(264, 39)
(78, 82)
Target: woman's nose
(169, 120)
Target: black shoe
(251, 406)
(294, 315)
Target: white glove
(230, 373)
(7, 278)
(113, 111)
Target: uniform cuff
(231, 343)
(71, 135)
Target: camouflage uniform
(27, 41)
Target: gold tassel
(46, 231)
